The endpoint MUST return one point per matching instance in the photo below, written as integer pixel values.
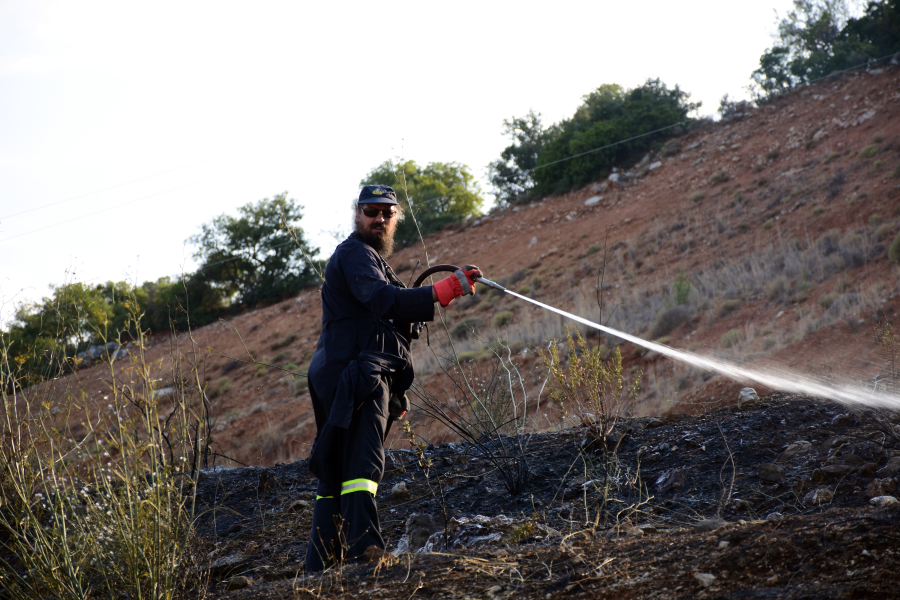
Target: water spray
(772, 377)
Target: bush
(895, 174)
(219, 387)
(768, 224)
(287, 341)
(728, 306)
(777, 289)
(682, 288)
(732, 338)
(869, 151)
(670, 319)
(608, 115)
(818, 210)
(502, 318)
(697, 196)
(719, 177)
(826, 300)
(670, 148)
(894, 250)
(464, 328)
(537, 282)
(593, 249)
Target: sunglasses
(372, 212)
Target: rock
(656, 422)
(881, 487)
(593, 201)
(705, 579)
(723, 544)
(655, 165)
(635, 532)
(818, 496)
(400, 490)
(841, 421)
(648, 528)
(747, 397)
(891, 468)
(599, 188)
(670, 479)
(852, 460)
(883, 501)
(373, 554)
(238, 583)
(615, 178)
(740, 504)
(832, 472)
(709, 524)
(869, 469)
(226, 565)
(484, 531)
(774, 516)
(300, 506)
(420, 527)
(772, 473)
(532, 242)
(798, 448)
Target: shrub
(670, 148)
(778, 288)
(826, 300)
(884, 230)
(464, 328)
(287, 341)
(593, 249)
(537, 282)
(895, 174)
(231, 365)
(878, 138)
(869, 151)
(697, 196)
(219, 387)
(682, 288)
(670, 319)
(894, 250)
(818, 210)
(502, 318)
(768, 224)
(832, 156)
(720, 176)
(728, 306)
(261, 370)
(773, 154)
(731, 338)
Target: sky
(125, 126)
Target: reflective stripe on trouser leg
(359, 485)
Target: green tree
(608, 116)
(511, 174)
(44, 335)
(441, 193)
(252, 258)
(820, 37)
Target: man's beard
(381, 241)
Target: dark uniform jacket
(359, 349)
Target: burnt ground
(798, 522)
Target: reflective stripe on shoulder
(359, 485)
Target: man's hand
(461, 283)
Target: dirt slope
(779, 222)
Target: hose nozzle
(490, 283)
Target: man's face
(376, 230)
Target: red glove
(461, 283)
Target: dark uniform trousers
(345, 519)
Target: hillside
(778, 219)
(799, 513)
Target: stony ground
(771, 500)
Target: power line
(107, 209)
(58, 202)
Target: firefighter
(361, 361)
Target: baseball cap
(377, 194)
